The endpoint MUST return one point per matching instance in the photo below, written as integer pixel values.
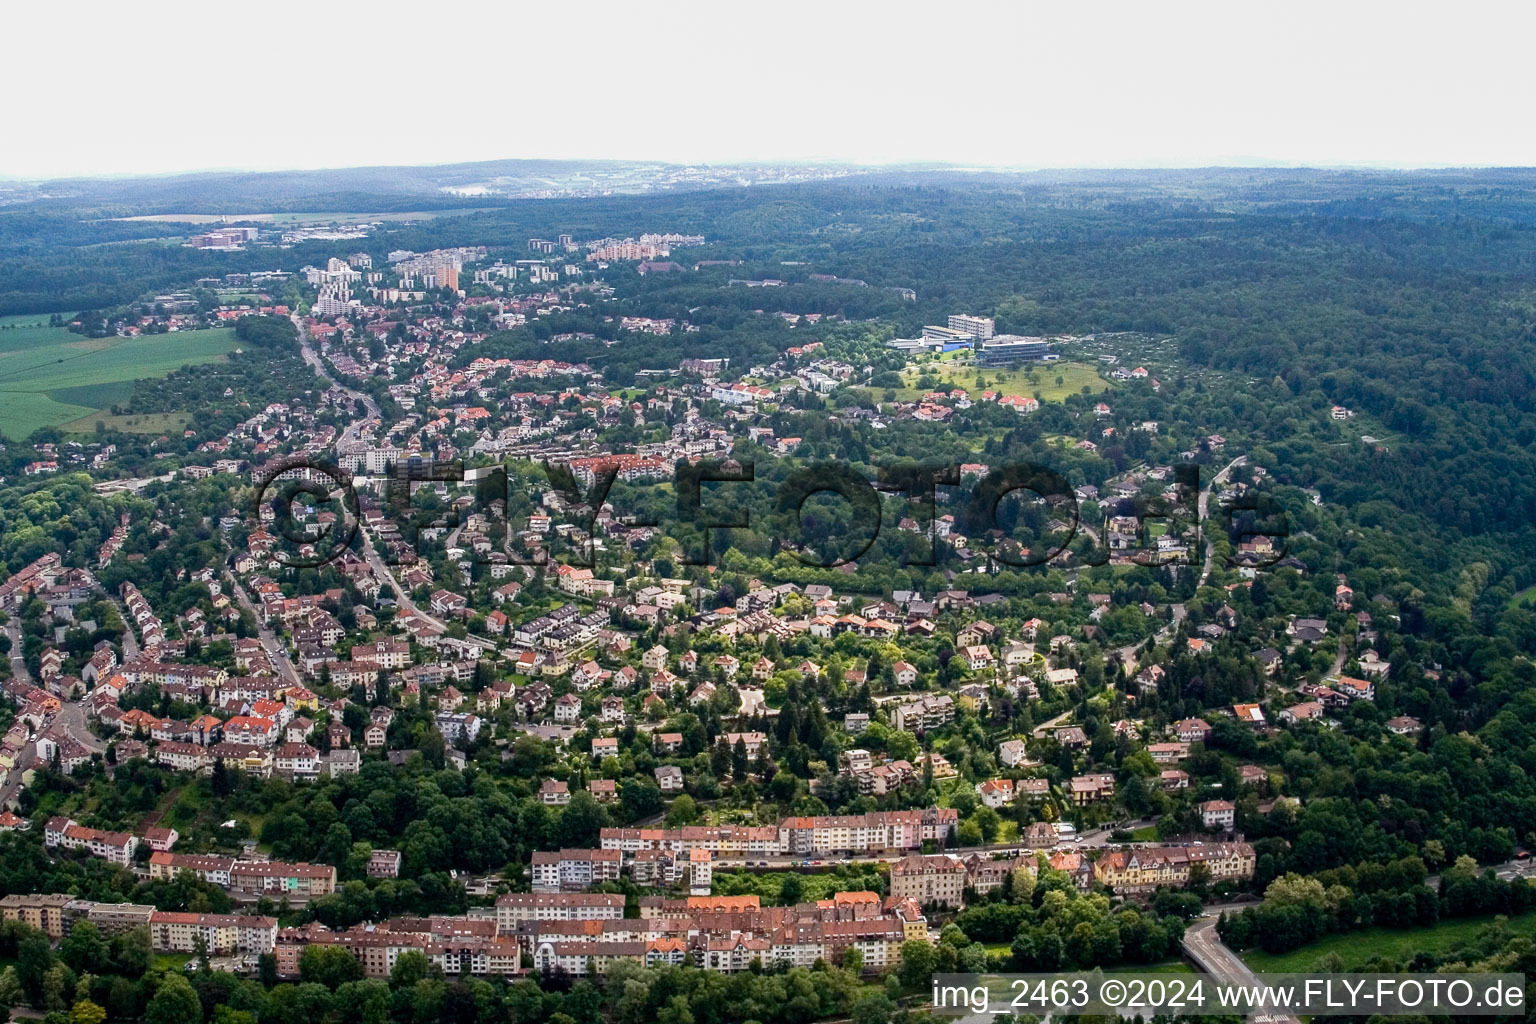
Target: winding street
(28, 753)
(306, 349)
(1203, 517)
(1127, 654)
(1046, 726)
(70, 723)
(386, 573)
(1340, 659)
(277, 652)
(130, 638)
(1205, 949)
(350, 436)
(18, 663)
(12, 787)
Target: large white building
(334, 300)
(979, 327)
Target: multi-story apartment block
(930, 881)
(565, 870)
(113, 847)
(43, 911)
(981, 328)
(514, 908)
(219, 933)
(1144, 869)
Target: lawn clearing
(29, 331)
(301, 219)
(22, 412)
(1356, 947)
(155, 423)
(50, 377)
(1026, 382)
(173, 962)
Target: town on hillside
(619, 610)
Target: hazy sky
(156, 87)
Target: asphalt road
(12, 787)
(1204, 947)
(313, 359)
(130, 638)
(277, 651)
(70, 723)
(18, 663)
(386, 573)
(1204, 506)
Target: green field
(138, 423)
(50, 377)
(1357, 947)
(28, 331)
(955, 373)
(295, 219)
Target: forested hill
(1408, 297)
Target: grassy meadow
(1356, 947)
(52, 378)
(1025, 382)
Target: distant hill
(385, 189)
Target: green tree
(87, 1012)
(1022, 888)
(34, 957)
(873, 1008)
(581, 820)
(58, 987)
(131, 952)
(676, 1011)
(917, 963)
(362, 1002)
(682, 812)
(331, 966)
(11, 992)
(174, 1003)
(410, 967)
(84, 949)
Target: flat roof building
(1007, 349)
(982, 328)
